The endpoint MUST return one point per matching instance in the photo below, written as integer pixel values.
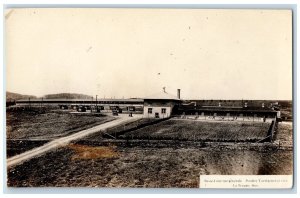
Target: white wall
(157, 109)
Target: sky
(123, 53)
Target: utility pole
(96, 103)
(92, 104)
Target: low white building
(160, 105)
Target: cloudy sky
(208, 54)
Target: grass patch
(90, 152)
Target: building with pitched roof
(161, 105)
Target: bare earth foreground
(92, 164)
(145, 167)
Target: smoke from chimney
(178, 93)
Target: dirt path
(18, 159)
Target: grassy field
(121, 129)
(197, 130)
(48, 125)
(90, 162)
(85, 166)
(29, 129)
(285, 132)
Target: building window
(150, 110)
(163, 110)
(131, 108)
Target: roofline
(162, 99)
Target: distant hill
(10, 96)
(15, 96)
(67, 96)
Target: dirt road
(65, 140)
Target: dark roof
(229, 109)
